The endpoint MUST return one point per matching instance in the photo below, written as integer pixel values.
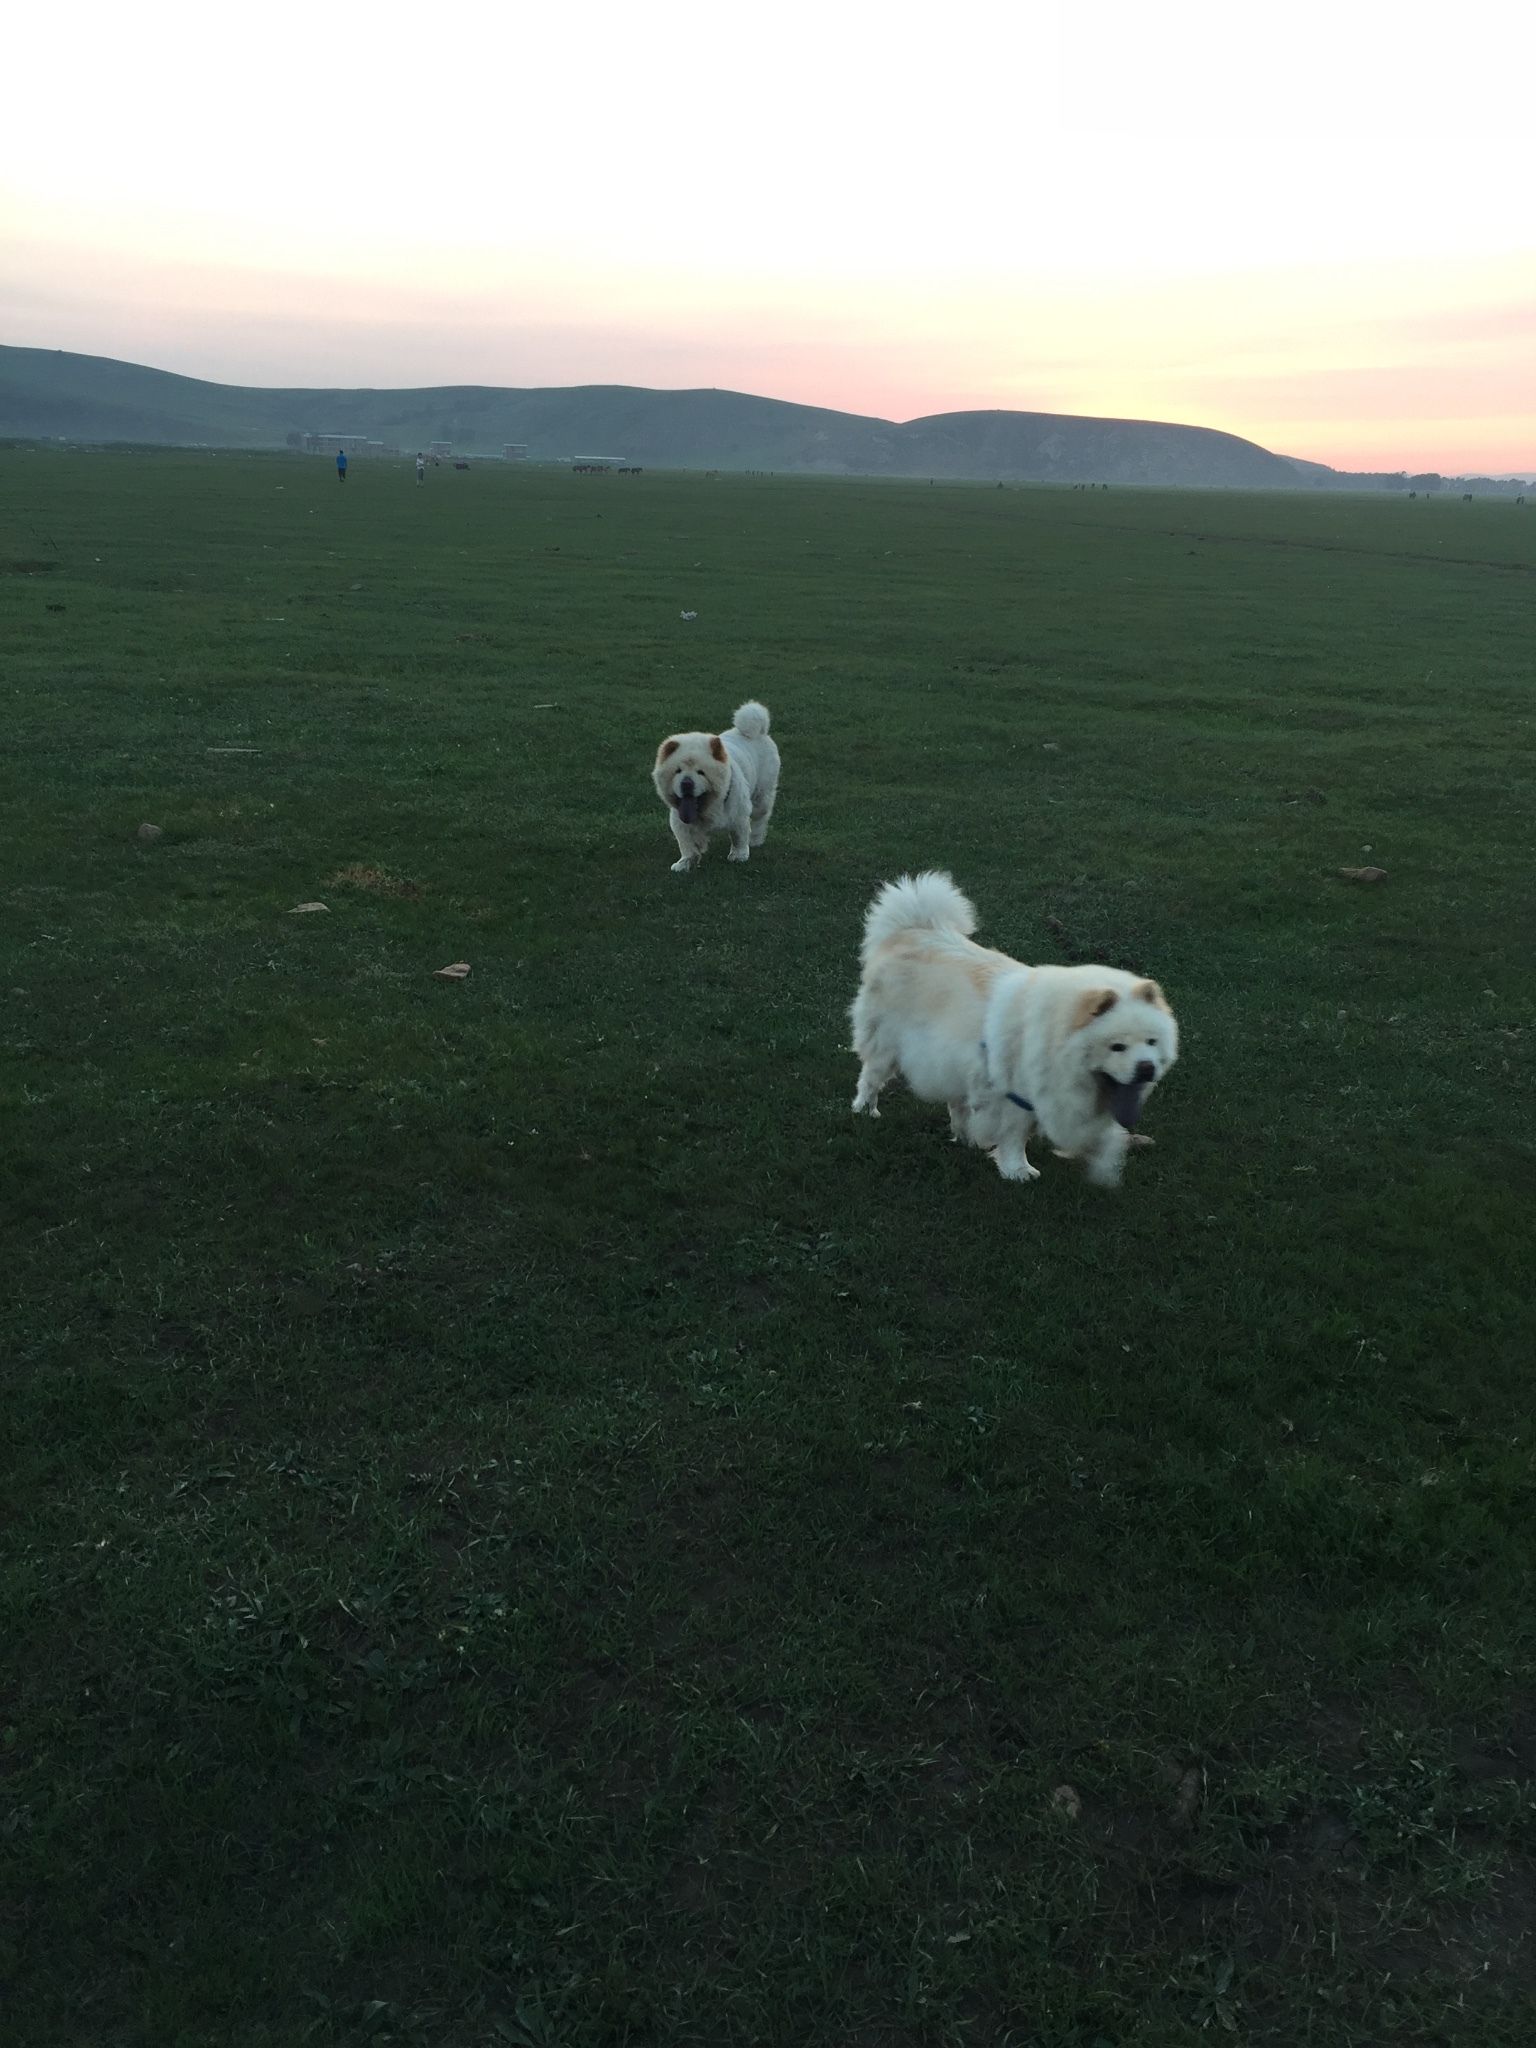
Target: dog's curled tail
(752, 719)
(930, 902)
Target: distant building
(514, 451)
(439, 447)
(329, 444)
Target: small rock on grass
(458, 970)
(1364, 874)
(1187, 1796)
(150, 833)
(303, 909)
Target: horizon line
(1525, 473)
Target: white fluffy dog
(1070, 1051)
(719, 782)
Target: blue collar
(1008, 1094)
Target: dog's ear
(666, 750)
(1093, 1002)
(1149, 992)
(717, 746)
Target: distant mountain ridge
(52, 394)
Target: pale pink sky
(1313, 226)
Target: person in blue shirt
(341, 465)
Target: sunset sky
(1312, 225)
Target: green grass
(525, 1522)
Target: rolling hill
(51, 394)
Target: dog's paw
(865, 1108)
(681, 867)
(1138, 1138)
(1105, 1173)
(744, 854)
(1018, 1169)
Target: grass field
(525, 1522)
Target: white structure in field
(330, 444)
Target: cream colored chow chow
(719, 782)
(1072, 1052)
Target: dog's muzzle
(1123, 1099)
(689, 802)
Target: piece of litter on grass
(303, 909)
(1186, 1799)
(1049, 747)
(457, 971)
(1066, 1800)
(150, 832)
(688, 615)
(1364, 874)
(234, 750)
(546, 707)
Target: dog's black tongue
(688, 809)
(1125, 1099)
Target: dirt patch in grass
(376, 881)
